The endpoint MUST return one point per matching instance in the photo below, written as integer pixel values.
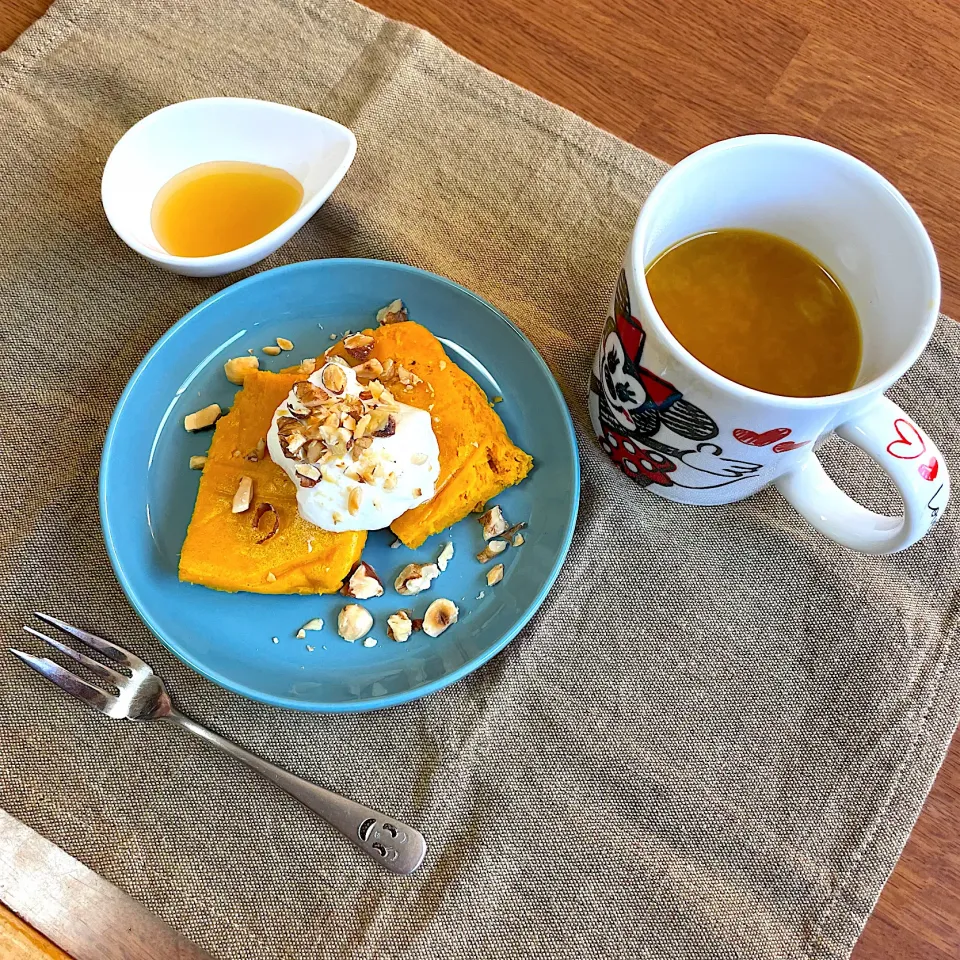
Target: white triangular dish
(316, 150)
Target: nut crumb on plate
(198, 463)
(491, 550)
(446, 555)
(370, 642)
(440, 615)
(301, 634)
(363, 583)
(414, 578)
(518, 540)
(271, 351)
(204, 418)
(399, 626)
(353, 622)
(284, 344)
(237, 368)
(493, 522)
(495, 575)
(393, 312)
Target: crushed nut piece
(301, 634)
(237, 368)
(495, 575)
(419, 458)
(497, 400)
(197, 463)
(353, 622)
(244, 495)
(518, 540)
(493, 523)
(442, 364)
(334, 379)
(359, 345)
(284, 344)
(202, 419)
(315, 624)
(354, 499)
(492, 549)
(370, 642)
(442, 613)
(272, 525)
(395, 544)
(414, 578)
(271, 351)
(363, 583)
(369, 369)
(399, 626)
(271, 577)
(382, 424)
(394, 312)
(308, 365)
(275, 639)
(309, 648)
(446, 555)
(308, 475)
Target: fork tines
(69, 682)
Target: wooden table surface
(877, 78)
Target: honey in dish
(759, 310)
(220, 206)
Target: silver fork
(142, 696)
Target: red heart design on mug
(910, 444)
(787, 445)
(754, 439)
(929, 470)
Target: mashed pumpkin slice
(477, 458)
(221, 549)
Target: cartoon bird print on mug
(643, 421)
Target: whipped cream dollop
(358, 457)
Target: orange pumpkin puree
(477, 462)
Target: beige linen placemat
(714, 737)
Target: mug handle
(908, 457)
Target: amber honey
(223, 205)
(760, 310)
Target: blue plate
(147, 493)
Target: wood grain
(19, 941)
(877, 78)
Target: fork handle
(394, 845)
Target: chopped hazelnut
(363, 583)
(284, 344)
(399, 626)
(495, 575)
(359, 345)
(493, 523)
(334, 379)
(394, 312)
(414, 578)
(442, 613)
(237, 368)
(271, 351)
(202, 419)
(492, 549)
(446, 555)
(244, 495)
(198, 463)
(354, 499)
(353, 622)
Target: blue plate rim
(373, 703)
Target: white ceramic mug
(689, 434)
